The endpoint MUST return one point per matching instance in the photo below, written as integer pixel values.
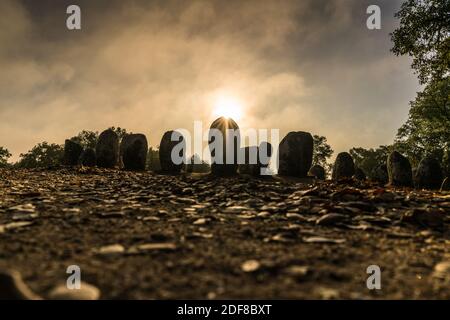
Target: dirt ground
(150, 236)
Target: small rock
(12, 287)
(317, 171)
(14, 225)
(322, 240)
(297, 271)
(86, 292)
(164, 246)
(330, 218)
(442, 271)
(432, 218)
(110, 249)
(250, 266)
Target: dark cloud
(151, 66)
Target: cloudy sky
(151, 66)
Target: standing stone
(295, 154)
(254, 164)
(429, 174)
(380, 174)
(230, 142)
(317, 171)
(343, 166)
(359, 174)
(399, 170)
(169, 165)
(107, 149)
(133, 152)
(72, 152)
(88, 158)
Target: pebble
(86, 292)
(250, 266)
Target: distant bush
(41, 156)
(4, 156)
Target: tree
(120, 132)
(369, 159)
(4, 156)
(424, 34)
(197, 165)
(322, 151)
(42, 155)
(86, 138)
(153, 163)
(427, 130)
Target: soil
(149, 236)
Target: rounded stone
(88, 158)
(399, 170)
(133, 152)
(380, 174)
(429, 174)
(107, 149)
(170, 141)
(317, 171)
(224, 137)
(359, 174)
(295, 154)
(86, 292)
(343, 166)
(72, 153)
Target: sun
(228, 106)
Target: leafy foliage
(369, 159)
(153, 163)
(86, 138)
(42, 155)
(197, 165)
(424, 34)
(322, 151)
(4, 156)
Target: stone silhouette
(107, 149)
(399, 170)
(380, 174)
(429, 174)
(88, 158)
(72, 152)
(227, 147)
(317, 171)
(295, 154)
(255, 159)
(169, 141)
(359, 174)
(133, 152)
(343, 166)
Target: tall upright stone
(399, 170)
(295, 154)
(359, 174)
(224, 143)
(380, 174)
(107, 149)
(88, 158)
(429, 174)
(72, 153)
(172, 163)
(255, 159)
(318, 172)
(344, 166)
(133, 152)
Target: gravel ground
(150, 236)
